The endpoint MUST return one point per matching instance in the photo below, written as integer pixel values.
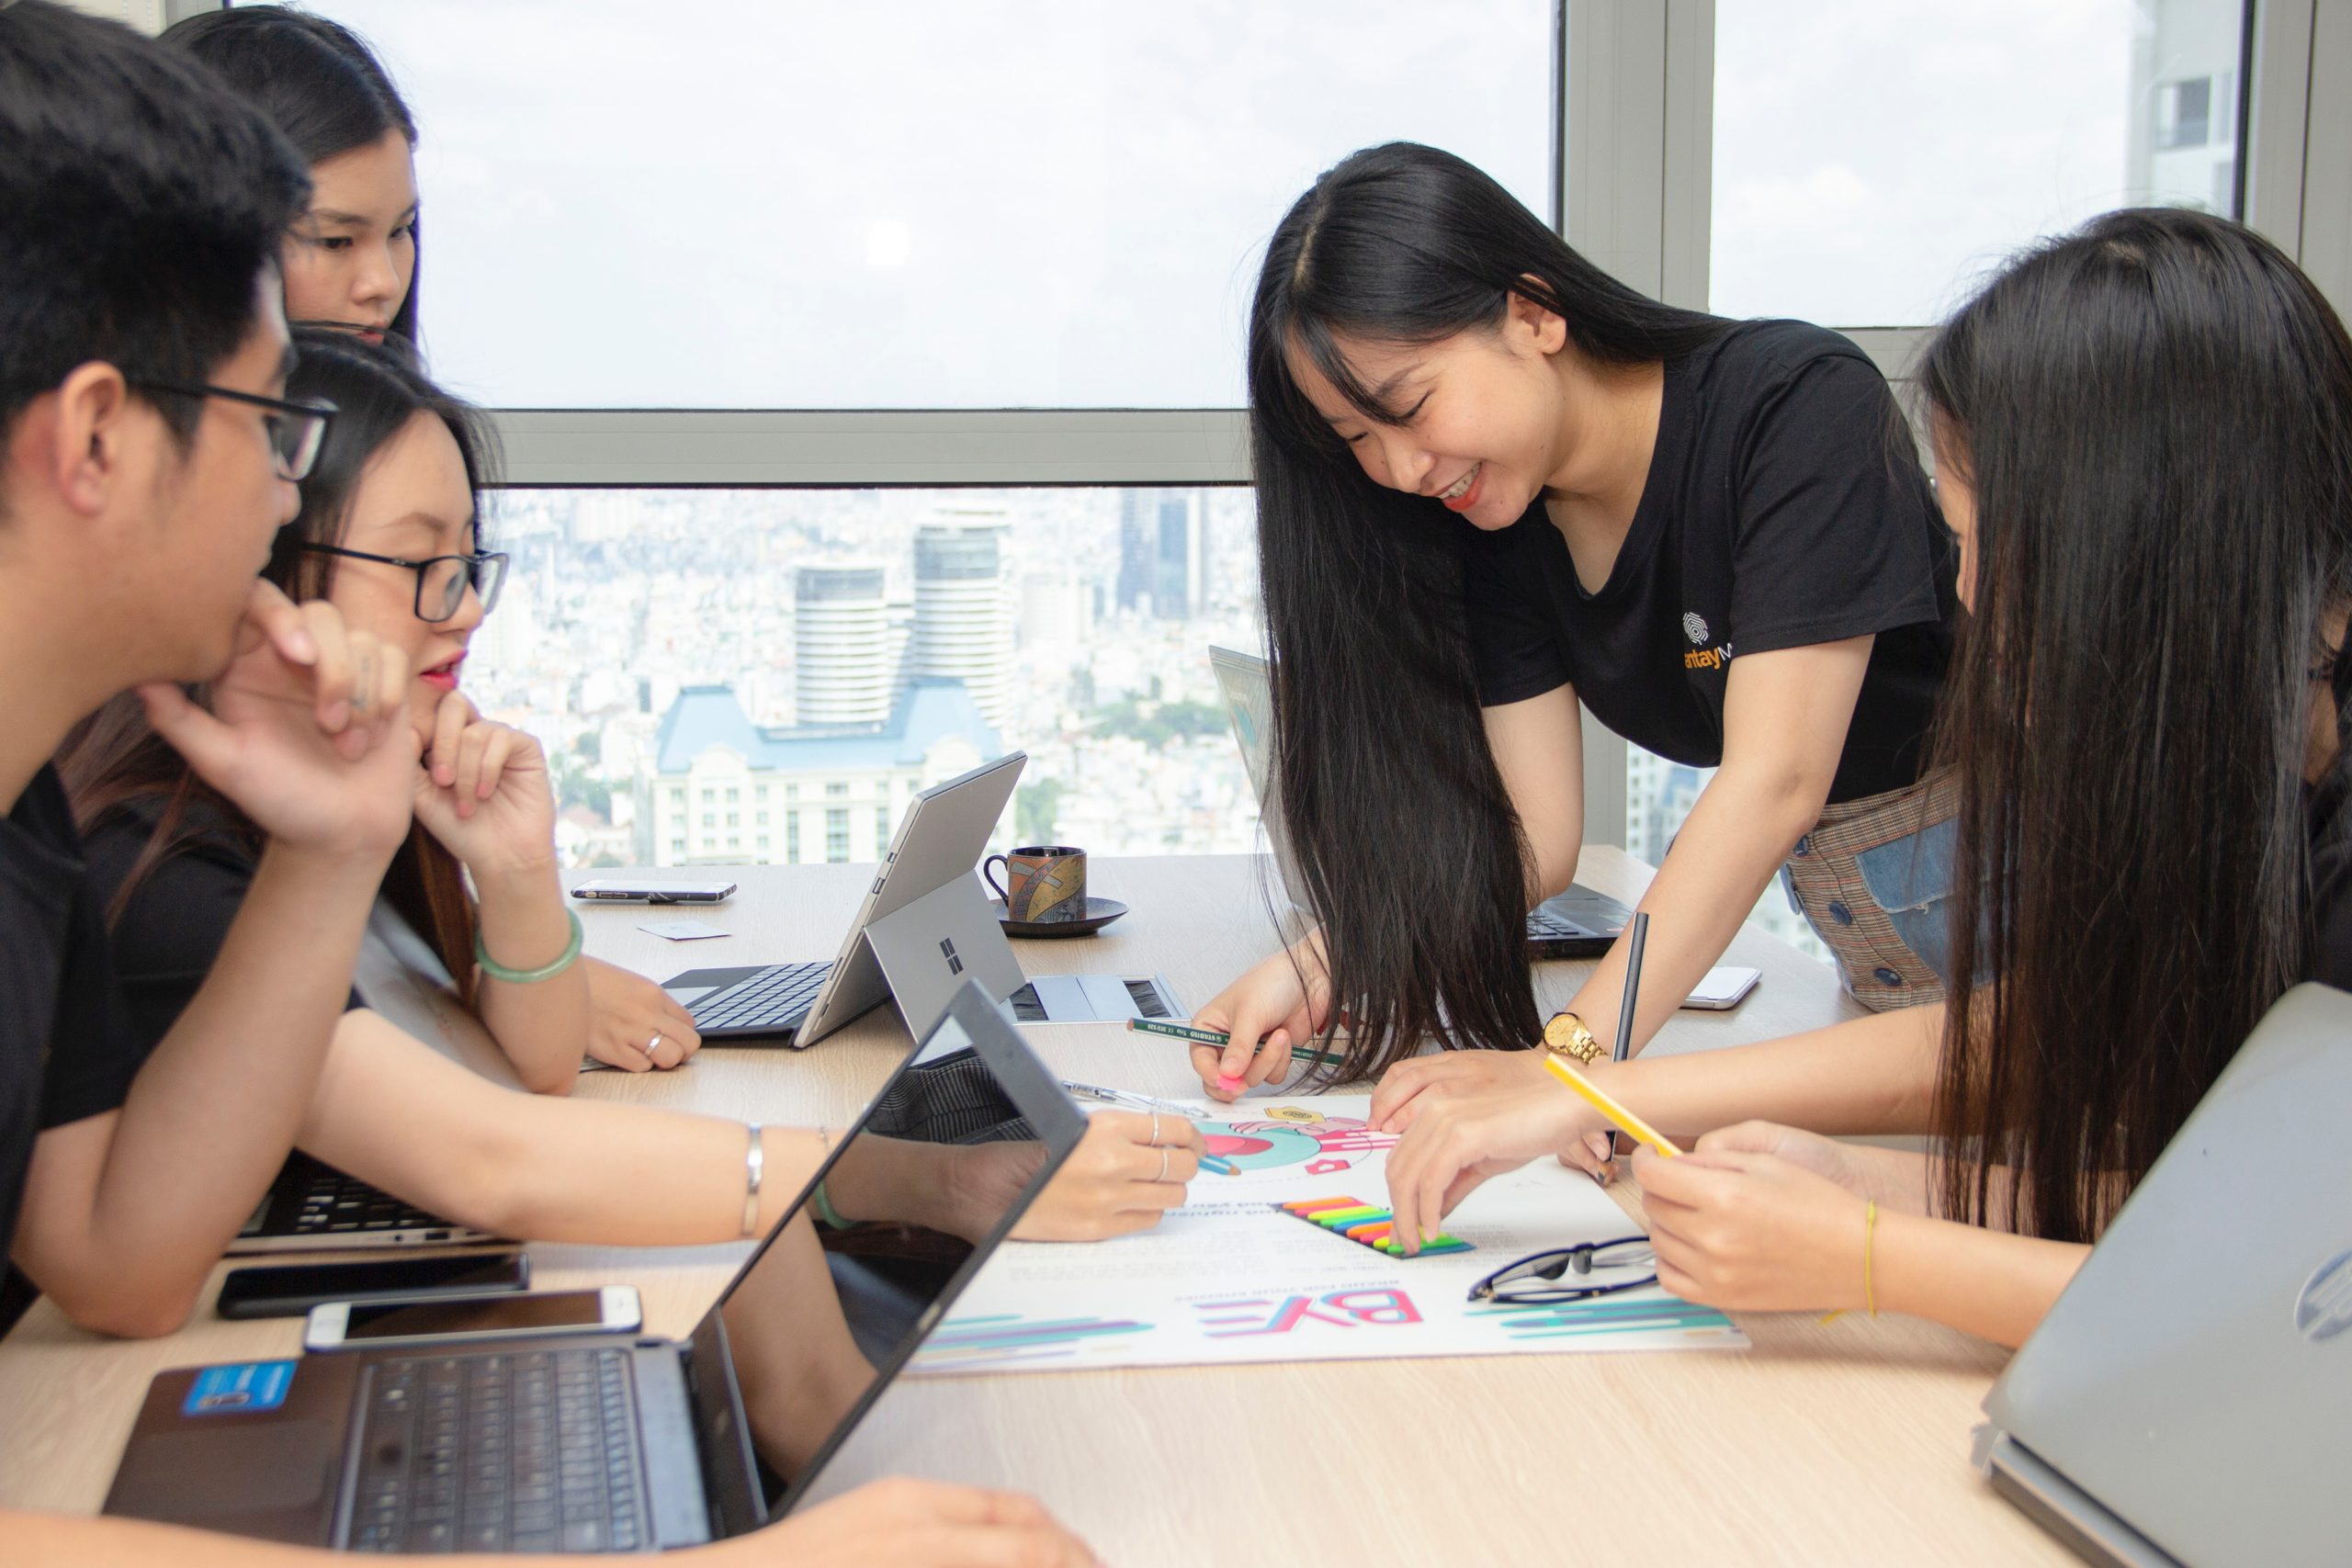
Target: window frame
(1632, 165)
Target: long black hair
(318, 82)
(2155, 415)
(1402, 829)
(113, 758)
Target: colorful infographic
(1231, 1278)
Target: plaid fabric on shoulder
(1879, 969)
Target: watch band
(1564, 1035)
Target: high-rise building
(963, 628)
(2182, 146)
(717, 789)
(844, 671)
(1164, 552)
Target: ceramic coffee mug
(1045, 883)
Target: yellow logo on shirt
(1706, 658)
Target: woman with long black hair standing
(2144, 439)
(1498, 489)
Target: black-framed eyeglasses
(441, 581)
(296, 425)
(1572, 1273)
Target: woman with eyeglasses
(387, 533)
(351, 266)
(2143, 443)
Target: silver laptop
(928, 888)
(1579, 923)
(2189, 1399)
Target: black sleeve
(94, 1050)
(2330, 906)
(174, 924)
(1833, 533)
(1514, 641)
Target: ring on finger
(1155, 1127)
(1163, 1166)
(653, 1045)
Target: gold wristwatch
(1566, 1035)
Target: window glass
(1874, 158)
(854, 646)
(925, 204)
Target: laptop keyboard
(529, 1451)
(1543, 923)
(334, 1203)
(776, 998)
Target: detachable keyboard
(776, 998)
(521, 1451)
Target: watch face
(1565, 1033)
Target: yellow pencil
(1630, 1124)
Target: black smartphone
(292, 1289)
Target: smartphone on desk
(1719, 991)
(653, 890)
(292, 1289)
(435, 1320)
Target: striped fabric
(1878, 967)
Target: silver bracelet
(755, 1163)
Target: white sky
(773, 203)
(938, 203)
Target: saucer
(1100, 913)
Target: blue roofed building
(722, 790)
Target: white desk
(1844, 1443)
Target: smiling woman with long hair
(1499, 489)
(2143, 435)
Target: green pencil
(1218, 1037)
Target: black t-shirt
(171, 930)
(67, 1051)
(2328, 813)
(1782, 511)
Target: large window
(1874, 158)
(925, 204)
(817, 656)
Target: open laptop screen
(952, 1152)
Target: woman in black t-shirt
(2143, 435)
(1714, 535)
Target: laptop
(2189, 1399)
(942, 837)
(610, 1442)
(1579, 923)
(314, 1207)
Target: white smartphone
(366, 1325)
(652, 890)
(1720, 990)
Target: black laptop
(609, 1442)
(1579, 923)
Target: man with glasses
(145, 455)
(148, 453)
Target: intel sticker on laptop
(244, 1388)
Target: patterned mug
(1045, 883)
